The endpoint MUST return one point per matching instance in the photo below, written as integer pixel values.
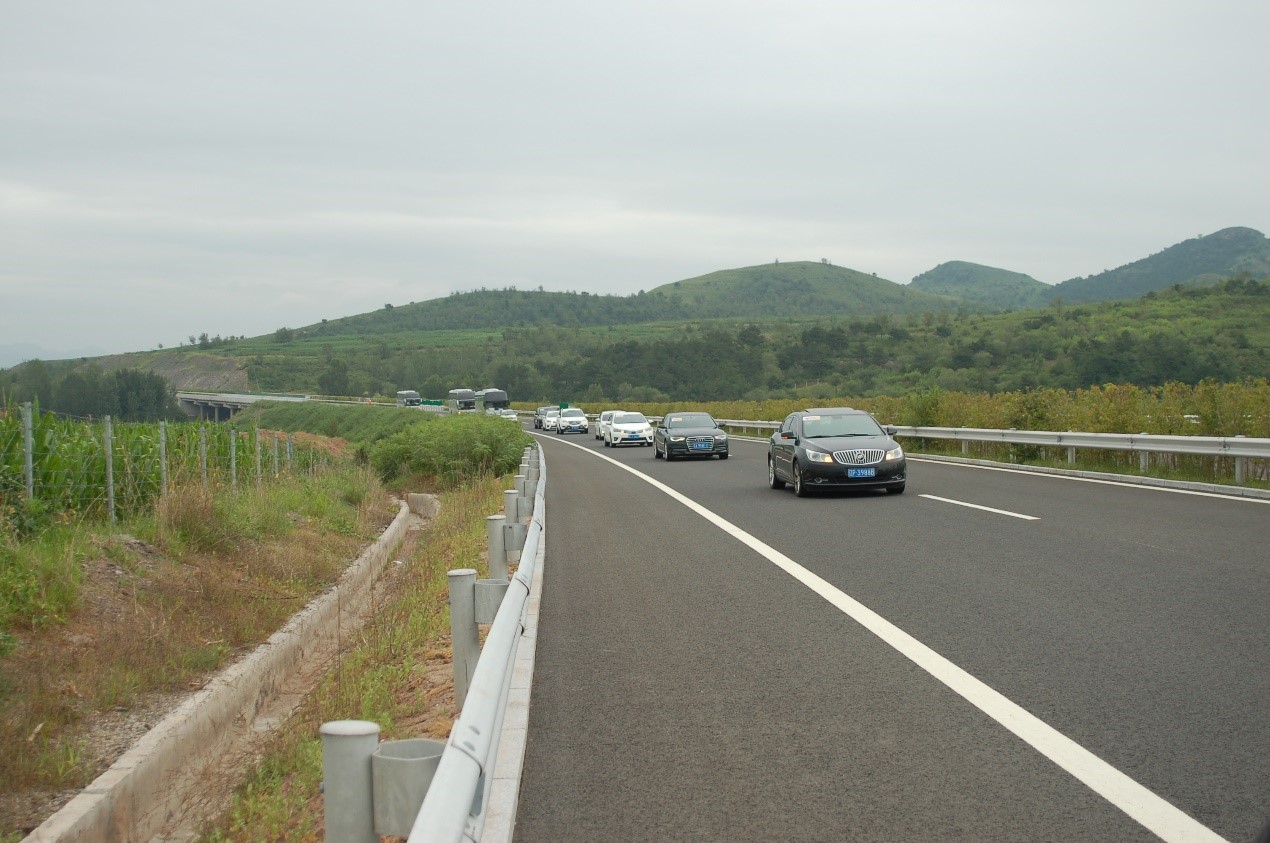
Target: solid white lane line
(984, 508)
(1153, 812)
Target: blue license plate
(862, 472)
(703, 446)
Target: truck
(408, 398)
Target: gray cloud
(173, 168)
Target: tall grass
(390, 677)
(175, 594)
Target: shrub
(451, 449)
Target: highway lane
(688, 689)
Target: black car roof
(834, 411)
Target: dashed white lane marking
(984, 508)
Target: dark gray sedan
(835, 448)
(689, 435)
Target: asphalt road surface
(994, 655)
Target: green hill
(785, 289)
(1202, 260)
(999, 289)
(802, 288)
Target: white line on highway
(1156, 814)
(1099, 480)
(984, 508)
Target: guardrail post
(1144, 461)
(464, 638)
(1241, 466)
(497, 550)
(347, 795)
(511, 504)
(1071, 455)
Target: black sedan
(689, 435)
(834, 448)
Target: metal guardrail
(454, 807)
(1240, 448)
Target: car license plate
(703, 446)
(862, 472)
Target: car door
(782, 448)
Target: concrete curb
(147, 788)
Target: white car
(550, 418)
(510, 415)
(602, 422)
(571, 420)
(628, 429)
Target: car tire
(773, 482)
(723, 456)
(800, 485)
(895, 490)
(656, 453)
(667, 454)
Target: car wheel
(667, 454)
(773, 482)
(723, 456)
(895, 490)
(800, 484)
(656, 453)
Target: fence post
(464, 639)
(257, 456)
(347, 797)
(110, 470)
(28, 451)
(202, 453)
(233, 460)
(163, 458)
(290, 452)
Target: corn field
(53, 467)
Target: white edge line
(984, 508)
(1154, 813)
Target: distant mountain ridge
(1201, 260)
(808, 288)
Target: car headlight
(819, 456)
(721, 437)
(676, 438)
(896, 454)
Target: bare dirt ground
(109, 734)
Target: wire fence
(54, 465)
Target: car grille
(867, 456)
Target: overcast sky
(169, 168)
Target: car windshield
(572, 414)
(630, 418)
(688, 420)
(815, 427)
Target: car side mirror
(787, 434)
(890, 430)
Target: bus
(492, 401)
(461, 401)
(408, 398)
